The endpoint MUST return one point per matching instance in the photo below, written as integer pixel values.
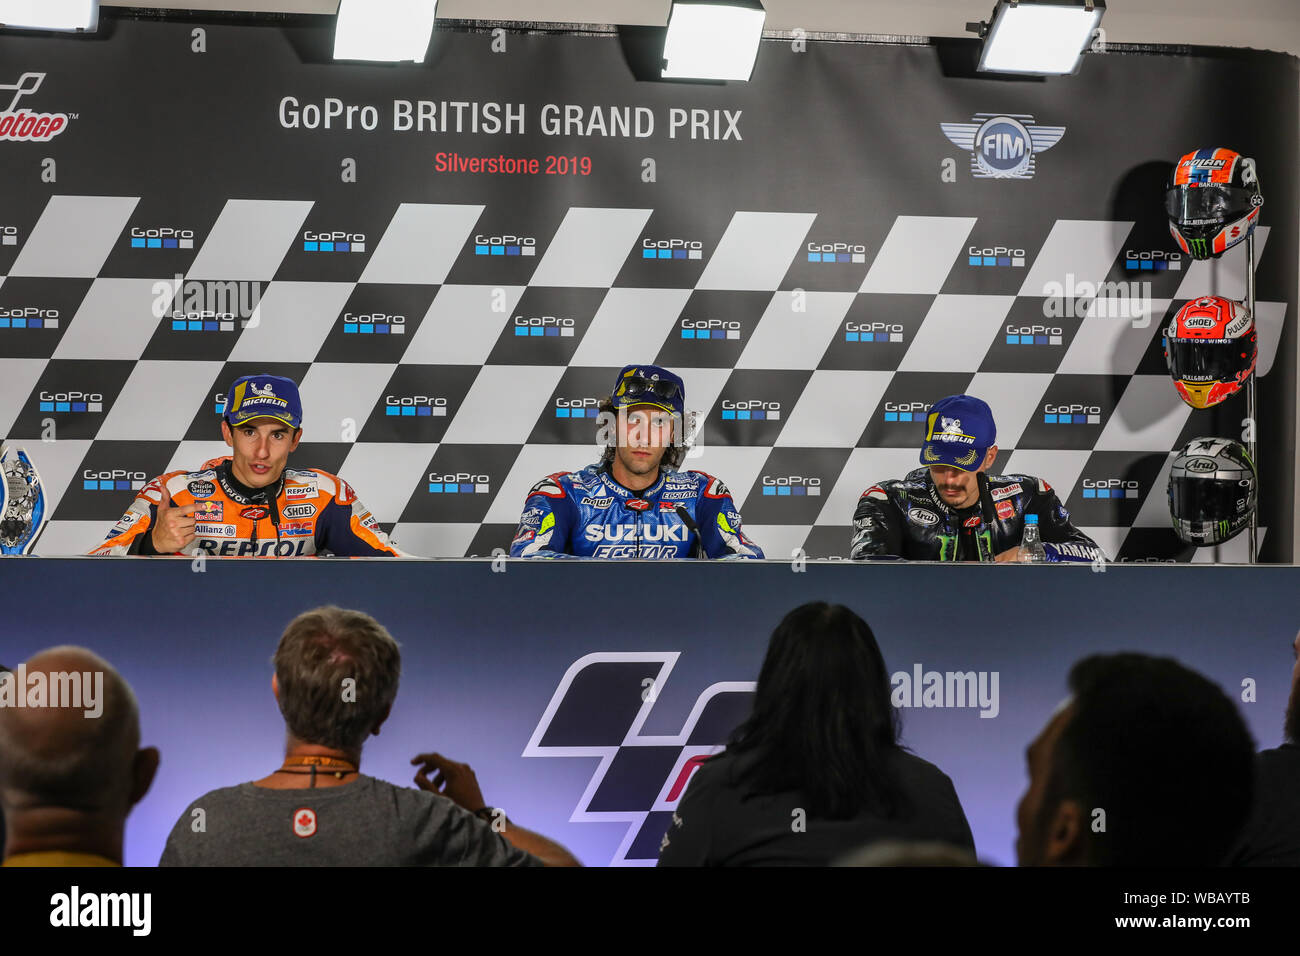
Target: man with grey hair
(336, 677)
(70, 769)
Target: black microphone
(697, 549)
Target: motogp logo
(1002, 146)
(24, 126)
(639, 778)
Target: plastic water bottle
(1031, 546)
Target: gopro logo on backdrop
(337, 241)
(506, 245)
(672, 249)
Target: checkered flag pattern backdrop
(451, 352)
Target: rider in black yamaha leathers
(952, 511)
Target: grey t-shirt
(368, 822)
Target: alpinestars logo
(1002, 146)
(23, 126)
(599, 709)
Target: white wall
(1262, 24)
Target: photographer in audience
(817, 769)
(1147, 763)
(336, 676)
(70, 770)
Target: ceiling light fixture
(1042, 37)
(712, 39)
(389, 31)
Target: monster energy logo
(948, 546)
(1199, 249)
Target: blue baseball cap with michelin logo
(958, 432)
(263, 396)
(649, 385)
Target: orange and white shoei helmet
(1211, 347)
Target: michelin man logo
(1002, 146)
(599, 709)
(266, 391)
(951, 426)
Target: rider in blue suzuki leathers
(632, 504)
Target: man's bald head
(79, 757)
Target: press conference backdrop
(581, 691)
(454, 258)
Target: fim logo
(1072, 414)
(1156, 260)
(461, 483)
(162, 238)
(373, 323)
(115, 480)
(505, 246)
(640, 779)
(1002, 146)
(672, 249)
(542, 326)
(577, 408)
(791, 486)
(414, 406)
(29, 318)
(71, 402)
(1109, 488)
(333, 241)
(752, 411)
(8, 235)
(1033, 335)
(836, 252)
(872, 332)
(906, 411)
(710, 329)
(996, 256)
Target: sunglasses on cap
(634, 387)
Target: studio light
(1038, 36)
(386, 30)
(712, 40)
(67, 15)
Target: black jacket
(908, 519)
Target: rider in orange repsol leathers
(251, 504)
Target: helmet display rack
(1198, 244)
(1252, 426)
